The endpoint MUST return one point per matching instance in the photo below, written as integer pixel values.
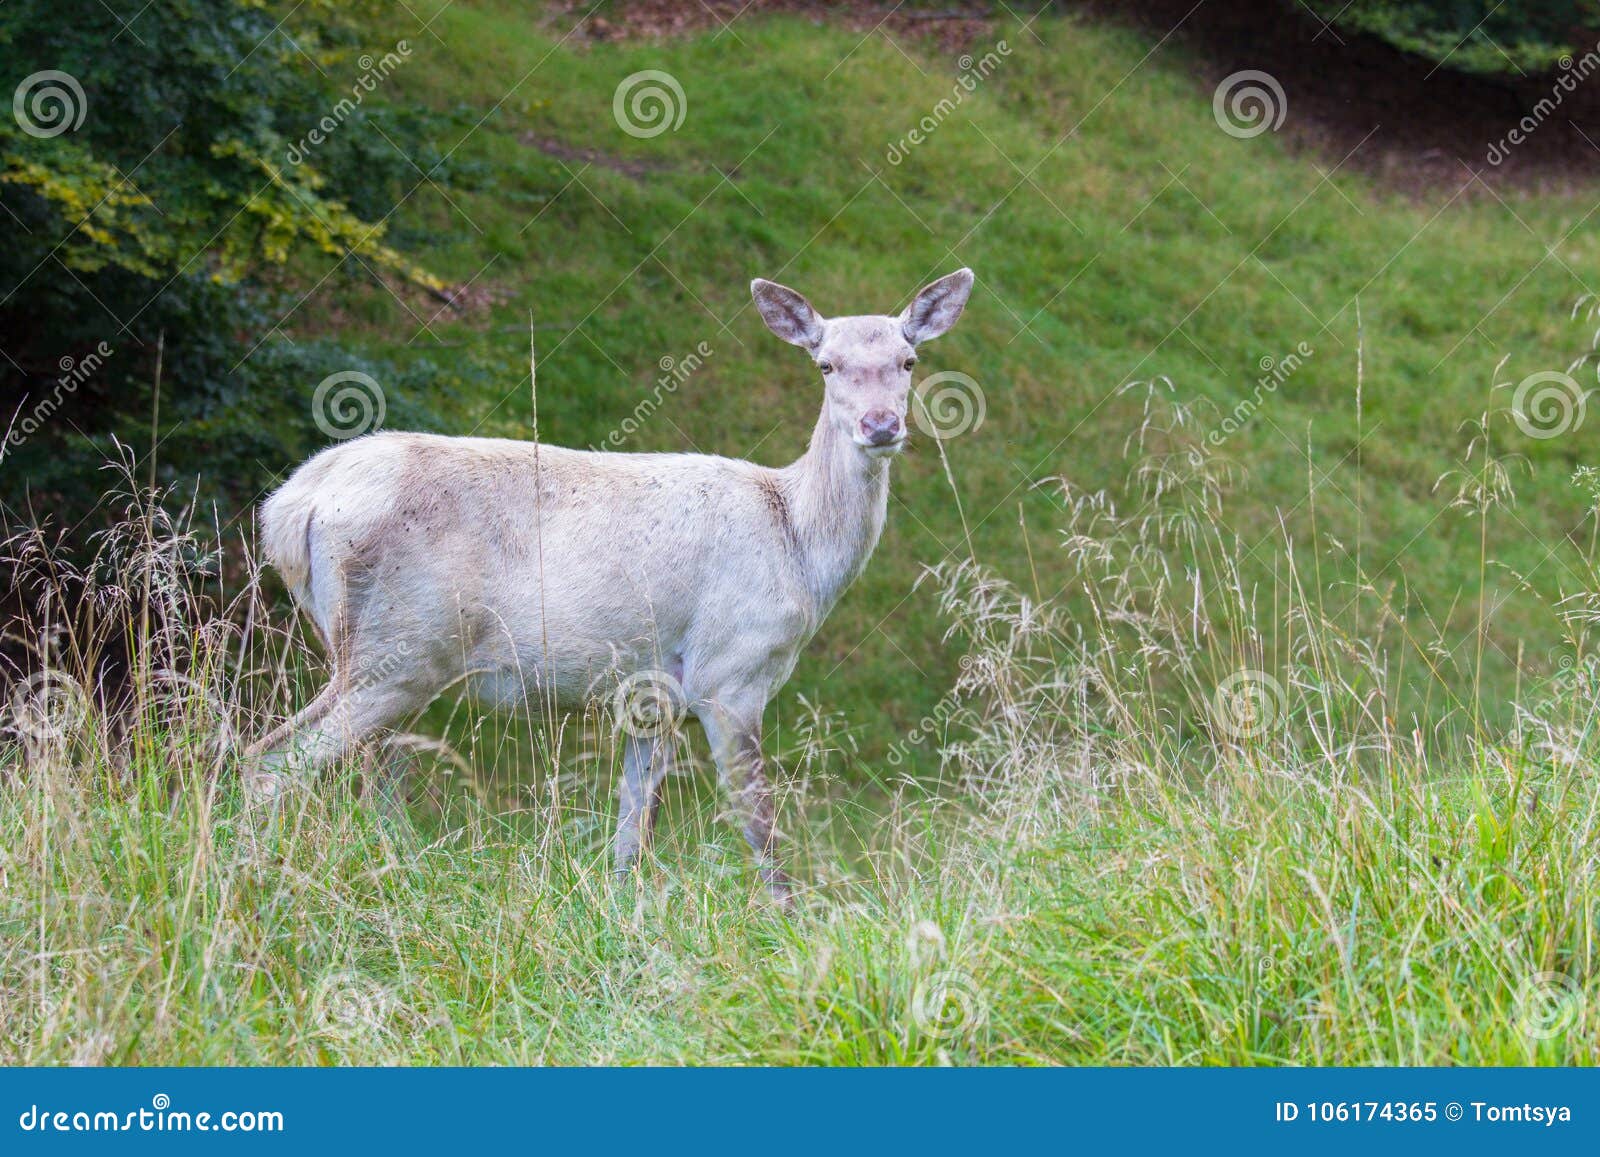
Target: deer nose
(880, 427)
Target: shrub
(151, 175)
(1478, 36)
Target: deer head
(866, 361)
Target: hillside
(1223, 696)
(1120, 238)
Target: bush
(157, 177)
(1471, 35)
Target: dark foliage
(153, 198)
(1514, 39)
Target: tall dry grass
(1215, 819)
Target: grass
(1119, 237)
(1268, 918)
(1286, 876)
(1266, 755)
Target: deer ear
(787, 314)
(934, 310)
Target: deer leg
(646, 762)
(736, 746)
(302, 719)
(386, 782)
(335, 723)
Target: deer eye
(910, 362)
(825, 367)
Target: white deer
(539, 573)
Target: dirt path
(1420, 128)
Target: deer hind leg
(735, 736)
(646, 763)
(376, 682)
(273, 751)
(263, 750)
(382, 671)
(331, 728)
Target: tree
(157, 176)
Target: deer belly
(534, 661)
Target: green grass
(1269, 915)
(1143, 243)
(1291, 877)
(1093, 856)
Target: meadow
(1223, 696)
(1301, 882)
(1120, 239)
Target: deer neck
(838, 498)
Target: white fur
(538, 571)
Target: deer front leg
(646, 762)
(735, 737)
